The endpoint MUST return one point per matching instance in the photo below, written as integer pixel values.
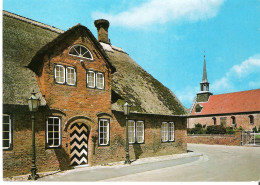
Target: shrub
(255, 129)
(230, 130)
(198, 125)
(240, 128)
(216, 129)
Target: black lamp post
(33, 104)
(126, 113)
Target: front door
(78, 144)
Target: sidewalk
(107, 168)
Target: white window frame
(99, 132)
(166, 134)
(80, 55)
(171, 133)
(10, 132)
(103, 80)
(94, 80)
(129, 131)
(75, 78)
(135, 131)
(55, 73)
(142, 131)
(47, 137)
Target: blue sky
(168, 37)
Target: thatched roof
(24, 39)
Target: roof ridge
(33, 22)
(236, 92)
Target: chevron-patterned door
(78, 144)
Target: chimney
(102, 27)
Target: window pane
(80, 51)
(100, 81)
(5, 119)
(53, 131)
(164, 131)
(171, 131)
(59, 74)
(6, 143)
(6, 127)
(131, 131)
(103, 132)
(91, 79)
(140, 131)
(6, 131)
(71, 80)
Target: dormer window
(198, 108)
(80, 51)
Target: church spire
(204, 94)
(204, 78)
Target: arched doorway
(78, 144)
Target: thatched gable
(60, 41)
(25, 42)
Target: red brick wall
(216, 139)
(241, 120)
(18, 160)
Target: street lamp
(126, 113)
(33, 104)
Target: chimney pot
(102, 28)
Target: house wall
(241, 120)
(17, 161)
(79, 104)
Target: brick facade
(80, 104)
(241, 119)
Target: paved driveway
(218, 163)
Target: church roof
(23, 38)
(236, 102)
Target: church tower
(204, 94)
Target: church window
(251, 119)
(214, 121)
(233, 121)
(80, 51)
(53, 132)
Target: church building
(82, 83)
(236, 109)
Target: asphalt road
(218, 163)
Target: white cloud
(162, 11)
(239, 74)
(247, 66)
(187, 95)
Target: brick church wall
(240, 119)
